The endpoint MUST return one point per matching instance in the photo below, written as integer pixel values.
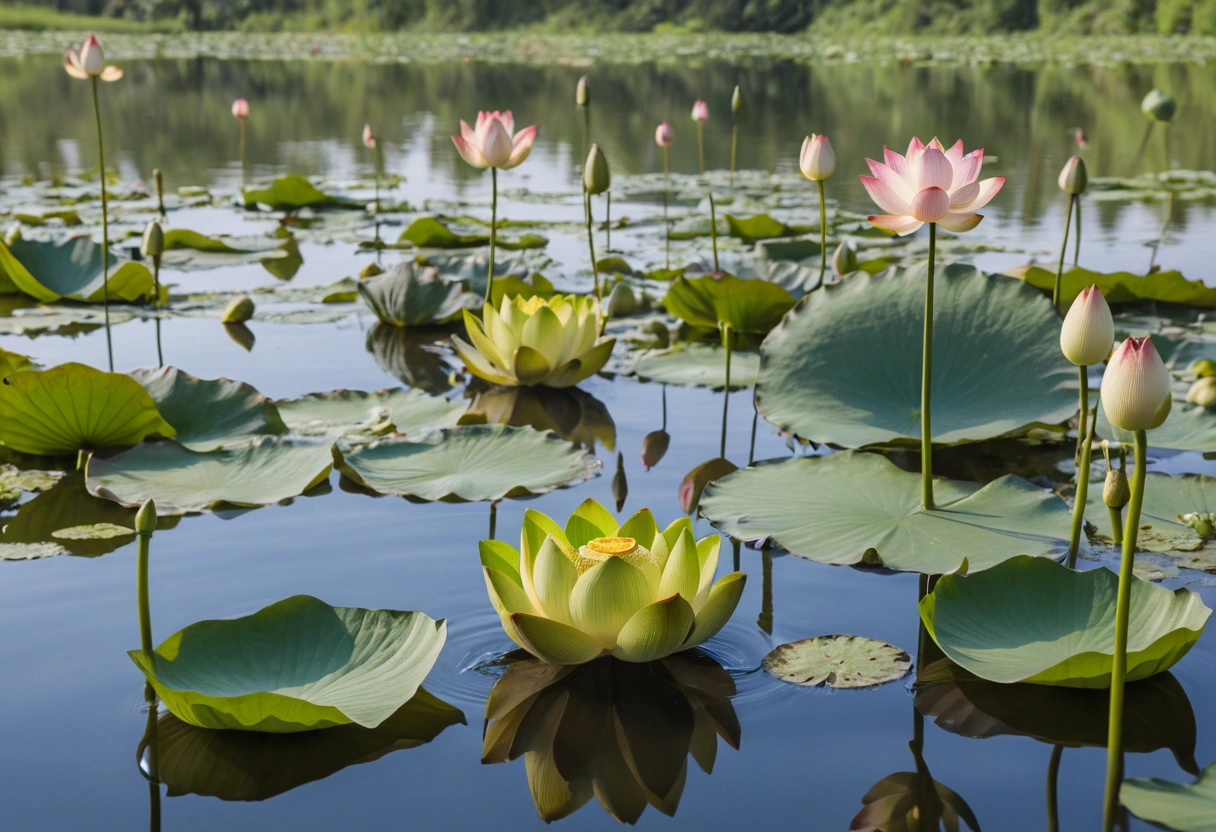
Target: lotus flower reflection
(593, 589)
(553, 342)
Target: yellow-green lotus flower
(571, 595)
(553, 342)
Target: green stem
(725, 330)
(666, 222)
(823, 235)
(1114, 744)
(1083, 418)
(1055, 293)
(1082, 495)
(1116, 524)
(241, 121)
(701, 147)
(160, 356)
(734, 145)
(751, 449)
(765, 621)
(105, 226)
(586, 130)
(608, 222)
(595, 269)
(664, 407)
(713, 230)
(926, 380)
(493, 231)
(1076, 248)
(735, 545)
(1053, 801)
(376, 172)
(143, 547)
(493, 518)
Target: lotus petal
(606, 596)
(655, 631)
(718, 609)
(555, 642)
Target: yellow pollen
(613, 545)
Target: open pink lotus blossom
(663, 135)
(493, 143)
(240, 108)
(930, 184)
(90, 62)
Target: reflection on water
(576, 416)
(412, 356)
(617, 731)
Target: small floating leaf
(1183, 808)
(95, 531)
(289, 193)
(30, 551)
(840, 661)
(413, 295)
(357, 413)
(697, 365)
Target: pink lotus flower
(369, 138)
(930, 184)
(1135, 386)
(817, 160)
(240, 108)
(1088, 332)
(664, 135)
(493, 143)
(89, 62)
(700, 111)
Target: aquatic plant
(240, 111)
(597, 179)
(152, 246)
(664, 137)
(736, 107)
(370, 142)
(494, 144)
(818, 162)
(88, 63)
(597, 588)
(553, 342)
(939, 187)
(1073, 181)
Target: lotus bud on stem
(153, 246)
(1073, 181)
(818, 162)
(597, 179)
(1115, 491)
(582, 98)
(663, 137)
(736, 107)
(370, 142)
(145, 525)
(240, 111)
(700, 114)
(1086, 338)
(713, 231)
(1136, 398)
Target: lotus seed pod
(596, 176)
(145, 519)
(1203, 367)
(844, 261)
(1073, 178)
(1159, 106)
(153, 244)
(1088, 332)
(1135, 386)
(654, 448)
(582, 93)
(736, 101)
(239, 311)
(1203, 392)
(1116, 493)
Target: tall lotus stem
(765, 621)
(1055, 292)
(159, 181)
(241, 152)
(1076, 237)
(736, 106)
(1082, 495)
(493, 518)
(608, 221)
(1074, 179)
(713, 230)
(1053, 777)
(597, 179)
(145, 525)
(727, 331)
(595, 269)
(926, 383)
(823, 235)
(701, 147)
(666, 221)
(494, 231)
(105, 226)
(817, 161)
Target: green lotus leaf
(992, 623)
(1166, 499)
(30, 551)
(296, 665)
(844, 367)
(358, 413)
(289, 193)
(266, 470)
(413, 295)
(1122, 287)
(210, 413)
(191, 250)
(13, 478)
(11, 362)
(697, 365)
(237, 765)
(841, 661)
(857, 507)
(1174, 806)
(752, 306)
(284, 267)
(430, 232)
(71, 268)
(410, 356)
(75, 407)
(761, 227)
(467, 463)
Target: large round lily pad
(753, 306)
(1033, 620)
(1166, 499)
(697, 365)
(844, 367)
(842, 661)
(857, 507)
(210, 413)
(264, 471)
(74, 407)
(1183, 808)
(296, 665)
(467, 463)
(359, 413)
(72, 269)
(412, 295)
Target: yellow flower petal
(554, 642)
(655, 631)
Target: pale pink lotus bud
(496, 145)
(369, 138)
(700, 111)
(240, 108)
(1089, 331)
(817, 159)
(1073, 178)
(930, 205)
(663, 135)
(92, 59)
(1136, 386)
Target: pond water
(75, 704)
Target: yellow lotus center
(613, 545)
(532, 304)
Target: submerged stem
(823, 236)
(926, 380)
(1055, 293)
(595, 269)
(1114, 745)
(105, 226)
(493, 231)
(765, 621)
(1053, 801)
(726, 331)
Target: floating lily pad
(413, 295)
(13, 478)
(73, 407)
(11, 362)
(430, 232)
(289, 193)
(1165, 499)
(761, 227)
(30, 551)
(697, 365)
(296, 665)
(467, 463)
(210, 413)
(72, 269)
(189, 250)
(844, 367)
(1183, 808)
(752, 306)
(264, 471)
(857, 507)
(995, 624)
(1123, 287)
(357, 413)
(94, 531)
(237, 765)
(838, 662)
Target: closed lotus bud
(817, 160)
(1136, 386)
(700, 111)
(240, 108)
(496, 144)
(844, 261)
(369, 138)
(239, 311)
(145, 519)
(654, 448)
(92, 59)
(663, 135)
(1159, 106)
(582, 93)
(1073, 178)
(736, 101)
(1203, 392)
(1116, 492)
(1203, 367)
(596, 176)
(153, 244)
(1089, 330)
